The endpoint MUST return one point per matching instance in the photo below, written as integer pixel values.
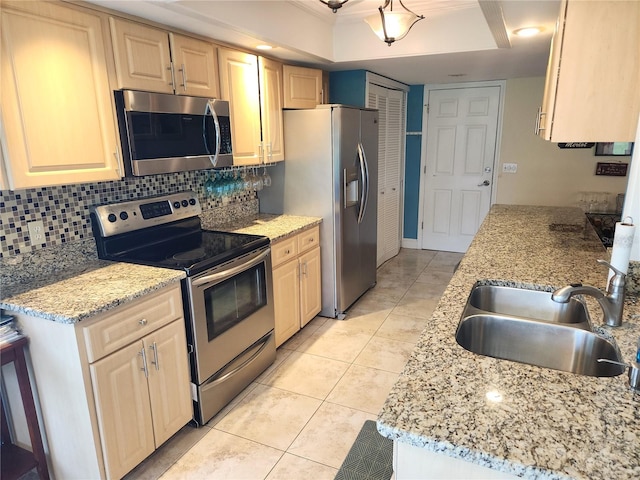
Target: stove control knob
(192, 201)
(176, 204)
(185, 203)
(124, 215)
(112, 218)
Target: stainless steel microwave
(162, 133)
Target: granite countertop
(82, 289)
(78, 294)
(276, 227)
(547, 423)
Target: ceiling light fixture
(264, 47)
(390, 25)
(334, 4)
(528, 31)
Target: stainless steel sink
(527, 303)
(526, 326)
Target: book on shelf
(9, 331)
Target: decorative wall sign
(611, 169)
(576, 145)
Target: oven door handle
(220, 276)
(241, 366)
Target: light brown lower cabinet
(296, 282)
(114, 387)
(137, 400)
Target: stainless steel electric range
(227, 295)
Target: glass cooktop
(195, 252)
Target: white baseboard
(410, 243)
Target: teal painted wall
(415, 100)
(347, 87)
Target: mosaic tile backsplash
(64, 210)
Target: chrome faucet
(611, 301)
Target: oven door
(231, 309)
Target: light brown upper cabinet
(58, 119)
(253, 87)
(152, 59)
(591, 91)
(303, 87)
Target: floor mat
(370, 457)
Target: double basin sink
(527, 326)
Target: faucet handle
(618, 279)
(634, 372)
(615, 270)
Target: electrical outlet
(36, 232)
(509, 167)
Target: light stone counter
(548, 424)
(276, 227)
(98, 286)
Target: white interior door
(391, 107)
(462, 126)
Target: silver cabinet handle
(486, 183)
(142, 322)
(538, 128)
(155, 361)
(144, 363)
(173, 76)
(183, 70)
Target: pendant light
(391, 25)
(334, 4)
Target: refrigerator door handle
(364, 170)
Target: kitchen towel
(622, 243)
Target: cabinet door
(195, 66)
(270, 74)
(310, 286)
(169, 388)
(143, 60)
(596, 97)
(58, 119)
(302, 87)
(123, 409)
(286, 301)
(239, 85)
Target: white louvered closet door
(391, 140)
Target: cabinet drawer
(128, 324)
(308, 239)
(284, 250)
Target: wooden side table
(16, 461)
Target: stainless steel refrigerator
(331, 171)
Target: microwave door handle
(218, 277)
(211, 109)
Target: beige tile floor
(301, 416)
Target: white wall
(547, 175)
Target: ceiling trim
(492, 11)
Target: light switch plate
(509, 167)
(36, 232)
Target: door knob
(484, 184)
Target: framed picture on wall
(613, 149)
